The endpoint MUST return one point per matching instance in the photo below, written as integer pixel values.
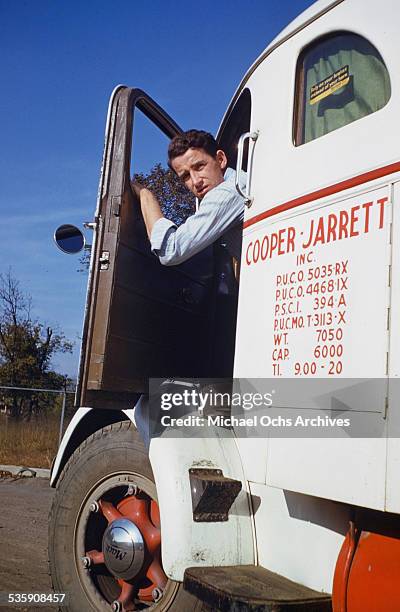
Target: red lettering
(320, 235)
(264, 252)
(281, 241)
(344, 219)
(274, 242)
(248, 260)
(307, 244)
(353, 220)
(341, 317)
(366, 207)
(382, 203)
(332, 223)
(290, 239)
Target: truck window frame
(299, 117)
(236, 122)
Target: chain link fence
(63, 393)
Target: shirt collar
(229, 172)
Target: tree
(26, 348)
(177, 203)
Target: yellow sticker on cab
(330, 84)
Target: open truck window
(149, 168)
(340, 79)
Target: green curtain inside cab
(367, 89)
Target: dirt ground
(24, 508)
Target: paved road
(24, 507)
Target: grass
(32, 443)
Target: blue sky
(60, 60)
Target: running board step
(247, 588)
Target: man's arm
(151, 210)
(220, 208)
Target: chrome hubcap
(123, 549)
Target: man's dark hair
(192, 139)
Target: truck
(283, 520)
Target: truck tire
(107, 492)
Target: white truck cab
(302, 522)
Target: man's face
(199, 171)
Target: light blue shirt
(221, 209)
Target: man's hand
(136, 188)
(151, 210)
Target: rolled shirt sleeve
(160, 232)
(221, 208)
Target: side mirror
(69, 239)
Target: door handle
(248, 200)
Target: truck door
(142, 319)
(316, 256)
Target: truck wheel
(104, 530)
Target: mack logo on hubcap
(123, 548)
(116, 552)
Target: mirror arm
(90, 225)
